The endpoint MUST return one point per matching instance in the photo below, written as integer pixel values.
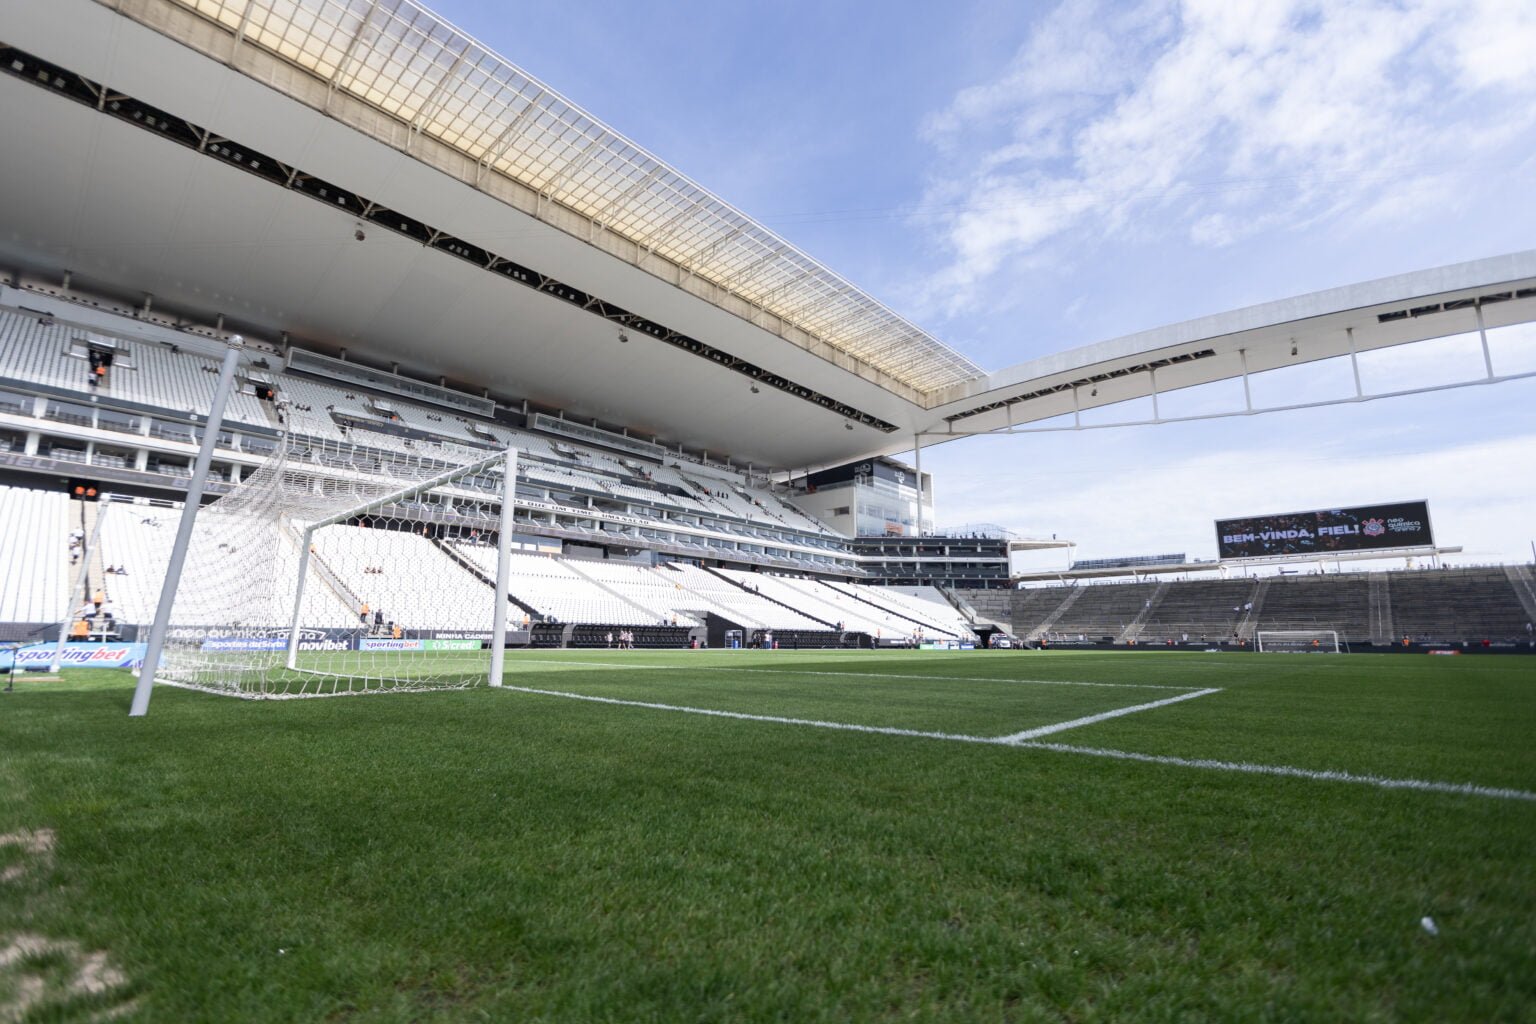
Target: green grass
(485, 855)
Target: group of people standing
(379, 627)
(625, 638)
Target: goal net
(337, 568)
(1297, 641)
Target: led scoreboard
(1403, 524)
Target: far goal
(1297, 641)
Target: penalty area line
(720, 668)
(1103, 716)
(1206, 764)
(884, 730)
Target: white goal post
(341, 567)
(1297, 641)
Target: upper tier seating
(148, 374)
(182, 383)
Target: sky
(1023, 178)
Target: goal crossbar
(507, 461)
(289, 574)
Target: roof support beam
(429, 108)
(495, 151)
(346, 57)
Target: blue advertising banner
(38, 656)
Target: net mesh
(350, 545)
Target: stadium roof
(406, 61)
(202, 159)
(1335, 324)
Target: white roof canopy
(406, 61)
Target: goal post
(339, 567)
(1297, 641)
(507, 461)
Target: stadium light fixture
(623, 338)
(754, 389)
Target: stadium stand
(924, 606)
(1102, 610)
(34, 550)
(712, 511)
(139, 422)
(406, 578)
(642, 587)
(1020, 610)
(1197, 609)
(737, 602)
(1457, 604)
(789, 593)
(1338, 602)
(136, 537)
(560, 593)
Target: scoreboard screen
(1403, 524)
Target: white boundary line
(1046, 730)
(884, 730)
(1286, 771)
(973, 679)
(720, 668)
(1283, 771)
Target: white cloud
(1166, 500)
(1214, 121)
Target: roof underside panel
(406, 61)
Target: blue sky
(1024, 178)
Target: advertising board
(382, 644)
(38, 656)
(1403, 524)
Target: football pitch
(784, 836)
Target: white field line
(1286, 771)
(719, 668)
(974, 679)
(1283, 771)
(1046, 730)
(884, 730)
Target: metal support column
(1482, 333)
(917, 450)
(1354, 360)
